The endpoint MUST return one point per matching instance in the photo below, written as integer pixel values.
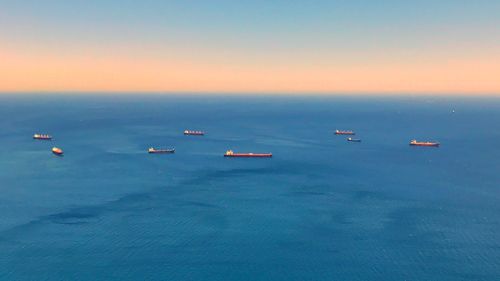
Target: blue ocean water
(320, 209)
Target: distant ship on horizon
(231, 153)
(193, 133)
(42, 137)
(424, 143)
(340, 132)
(153, 150)
(57, 151)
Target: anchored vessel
(424, 143)
(230, 153)
(42, 137)
(339, 132)
(353, 140)
(161, 150)
(193, 133)
(57, 151)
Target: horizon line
(259, 93)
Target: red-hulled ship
(193, 133)
(57, 151)
(230, 153)
(339, 132)
(161, 150)
(424, 143)
(42, 137)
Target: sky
(254, 46)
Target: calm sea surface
(320, 209)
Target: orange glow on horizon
(22, 71)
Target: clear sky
(323, 46)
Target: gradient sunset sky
(329, 46)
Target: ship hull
(345, 133)
(57, 151)
(161, 152)
(194, 133)
(425, 144)
(249, 155)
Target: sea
(321, 208)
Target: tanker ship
(339, 132)
(193, 133)
(42, 137)
(57, 151)
(230, 153)
(353, 140)
(161, 150)
(424, 143)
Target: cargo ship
(424, 143)
(339, 132)
(161, 150)
(353, 140)
(42, 137)
(230, 153)
(193, 133)
(57, 151)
